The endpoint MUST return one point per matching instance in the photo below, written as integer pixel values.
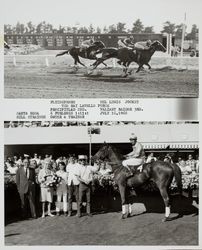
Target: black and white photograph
(84, 49)
(120, 183)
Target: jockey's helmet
(148, 42)
(133, 137)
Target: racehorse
(89, 53)
(127, 56)
(6, 46)
(159, 172)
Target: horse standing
(127, 56)
(89, 53)
(159, 172)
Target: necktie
(27, 173)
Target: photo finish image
(130, 49)
(101, 183)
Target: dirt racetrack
(109, 229)
(38, 77)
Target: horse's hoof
(89, 72)
(129, 215)
(165, 219)
(125, 75)
(124, 216)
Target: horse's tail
(178, 177)
(62, 53)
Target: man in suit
(26, 185)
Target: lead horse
(159, 172)
(89, 53)
(127, 56)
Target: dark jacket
(22, 181)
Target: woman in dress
(44, 178)
(62, 189)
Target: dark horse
(127, 56)
(159, 172)
(89, 53)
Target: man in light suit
(26, 185)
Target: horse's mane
(116, 151)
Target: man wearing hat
(85, 177)
(136, 157)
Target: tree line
(137, 27)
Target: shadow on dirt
(153, 204)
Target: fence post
(47, 62)
(14, 61)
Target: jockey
(86, 44)
(142, 45)
(126, 43)
(136, 157)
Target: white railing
(157, 61)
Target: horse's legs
(104, 64)
(166, 199)
(139, 68)
(98, 62)
(78, 60)
(122, 190)
(148, 65)
(125, 70)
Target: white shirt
(64, 176)
(86, 172)
(73, 170)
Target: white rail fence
(157, 61)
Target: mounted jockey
(136, 157)
(126, 43)
(86, 44)
(142, 45)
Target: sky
(102, 12)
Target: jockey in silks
(85, 45)
(136, 157)
(125, 43)
(142, 45)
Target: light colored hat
(133, 137)
(82, 157)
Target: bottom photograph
(101, 183)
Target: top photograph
(107, 49)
